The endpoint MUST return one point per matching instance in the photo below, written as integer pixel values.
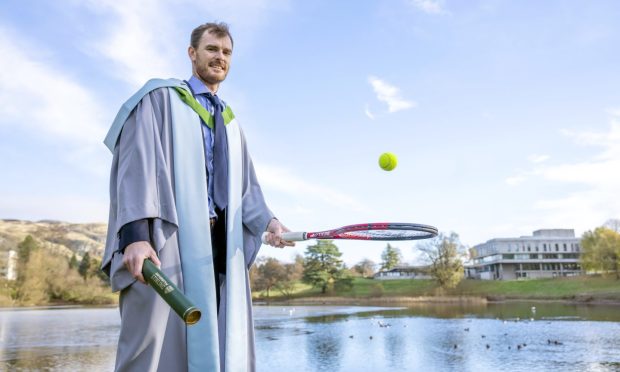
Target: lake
(520, 336)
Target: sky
(504, 115)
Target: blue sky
(505, 115)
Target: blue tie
(220, 156)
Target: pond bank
(449, 300)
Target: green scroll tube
(170, 293)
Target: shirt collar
(198, 86)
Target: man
(183, 193)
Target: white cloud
(284, 181)
(390, 94)
(515, 180)
(429, 6)
(139, 44)
(149, 38)
(614, 112)
(598, 179)
(535, 158)
(50, 102)
(368, 113)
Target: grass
(551, 288)
(582, 288)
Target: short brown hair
(219, 29)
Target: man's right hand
(134, 256)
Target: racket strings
(391, 234)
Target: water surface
(439, 337)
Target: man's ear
(191, 52)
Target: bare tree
(613, 224)
(444, 254)
(365, 268)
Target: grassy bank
(583, 289)
(72, 292)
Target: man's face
(211, 60)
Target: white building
(548, 253)
(9, 270)
(404, 272)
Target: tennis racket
(366, 231)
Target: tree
(25, 248)
(322, 265)
(613, 224)
(270, 273)
(444, 256)
(73, 262)
(24, 251)
(254, 276)
(390, 258)
(295, 270)
(95, 271)
(84, 267)
(601, 251)
(365, 268)
(294, 273)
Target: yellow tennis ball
(387, 161)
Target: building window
(571, 266)
(508, 257)
(557, 247)
(536, 248)
(528, 248)
(545, 247)
(550, 256)
(531, 266)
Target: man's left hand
(274, 235)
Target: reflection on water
(71, 339)
(440, 337)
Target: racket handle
(295, 236)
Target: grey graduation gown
(142, 185)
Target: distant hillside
(60, 237)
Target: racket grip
(295, 236)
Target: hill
(61, 238)
(47, 273)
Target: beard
(208, 77)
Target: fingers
(155, 259)
(137, 272)
(274, 233)
(134, 257)
(275, 240)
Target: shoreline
(448, 300)
(387, 301)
